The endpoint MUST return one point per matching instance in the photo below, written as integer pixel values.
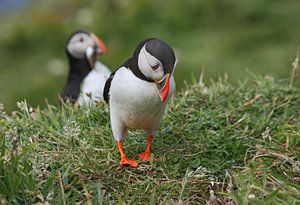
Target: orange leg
(124, 160)
(147, 153)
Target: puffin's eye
(81, 39)
(154, 67)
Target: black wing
(107, 87)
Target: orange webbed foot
(128, 162)
(145, 156)
(124, 159)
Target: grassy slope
(219, 36)
(238, 141)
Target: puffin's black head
(156, 61)
(82, 50)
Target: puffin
(138, 92)
(87, 76)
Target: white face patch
(146, 61)
(78, 45)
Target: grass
(233, 144)
(219, 36)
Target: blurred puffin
(138, 93)
(84, 70)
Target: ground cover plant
(218, 36)
(218, 143)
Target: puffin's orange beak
(101, 48)
(164, 87)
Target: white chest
(135, 102)
(93, 85)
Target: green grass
(218, 142)
(227, 36)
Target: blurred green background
(224, 36)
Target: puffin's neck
(79, 69)
(72, 88)
(132, 64)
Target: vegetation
(218, 36)
(232, 141)
(217, 143)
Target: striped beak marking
(93, 52)
(101, 48)
(164, 87)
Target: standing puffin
(85, 71)
(138, 93)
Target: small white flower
(2, 111)
(22, 106)
(266, 134)
(251, 196)
(72, 129)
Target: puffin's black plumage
(107, 87)
(79, 69)
(162, 52)
(132, 63)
